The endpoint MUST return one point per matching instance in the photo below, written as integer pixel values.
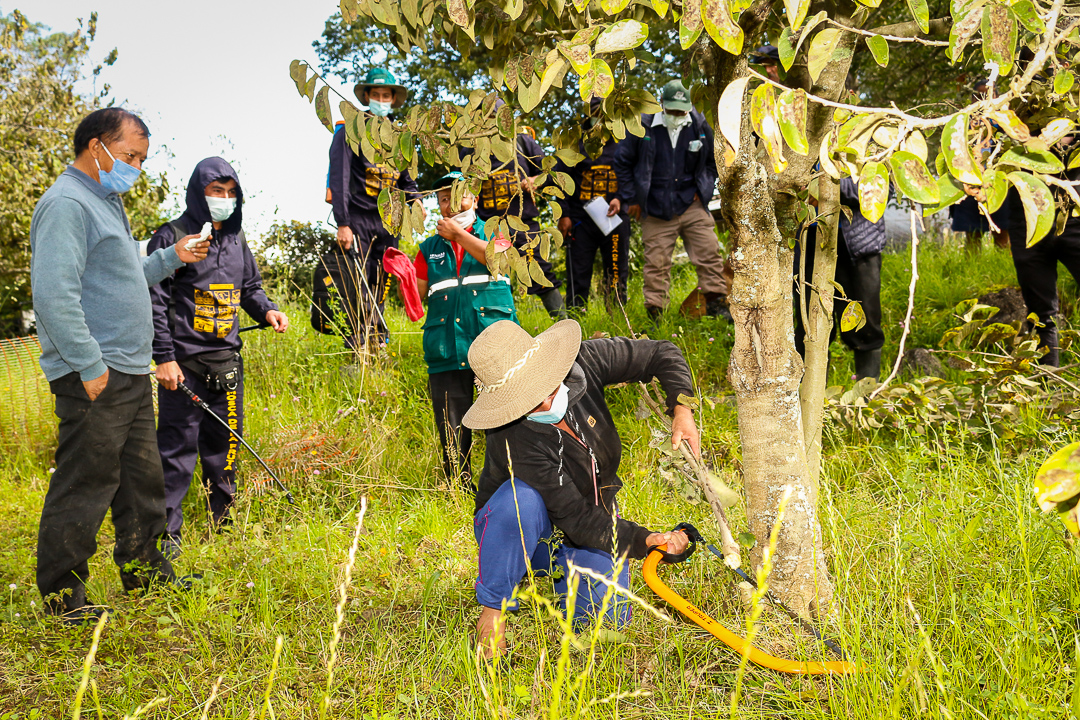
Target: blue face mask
(120, 178)
(382, 109)
(558, 408)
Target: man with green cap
(667, 178)
(354, 185)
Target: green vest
(460, 303)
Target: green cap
(676, 97)
(381, 77)
(448, 179)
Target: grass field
(955, 595)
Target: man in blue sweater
(197, 342)
(92, 302)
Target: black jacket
(355, 183)
(592, 178)
(577, 506)
(634, 161)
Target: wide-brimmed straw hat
(516, 372)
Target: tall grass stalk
(339, 618)
(266, 704)
(757, 600)
(76, 708)
(144, 709)
(210, 700)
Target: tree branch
(939, 27)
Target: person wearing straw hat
(354, 187)
(552, 462)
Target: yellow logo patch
(591, 421)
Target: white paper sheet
(597, 209)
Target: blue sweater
(91, 288)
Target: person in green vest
(462, 300)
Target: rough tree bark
(765, 370)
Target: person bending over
(542, 403)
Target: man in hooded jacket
(197, 342)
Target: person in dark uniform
(511, 191)
(354, 187)
(594, 178)
(197, 343)
(1037, 269)
(859, 243)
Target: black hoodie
(205, 295)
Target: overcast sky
(212, 78)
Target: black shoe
(185, 582)
(868, 364)
(85, 615)
(654, 313)
(170, 546)
(718, 307)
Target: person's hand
(529, 184)
(634, 211)
(676, 541)
(449, 229)
(96, 386)
(197, 251)
(976, 191)
(278, 320)
(684, 428)
(344, 237)
(614, 207)
(169, 374)
(565, 224)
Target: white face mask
(466, 219)
(674, 122)
(382, 109)
(221, 208)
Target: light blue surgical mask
(120, 178)
(558, 408)
(221, 208)
(382, 109)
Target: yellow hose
(736, 643)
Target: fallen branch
(910, 309)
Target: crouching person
(462, 300)
(542, 402)
(197, 342)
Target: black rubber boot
(654, 313)
(868, 364)
(553, 303)
(717, 306)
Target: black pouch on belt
(220, 370)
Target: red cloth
(420, 263)
(398, 264)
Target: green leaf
(762, 117)
(569, 155)
(1063, 81)
(1056, 130)
(1038, 205)
(791, 114)
(963, 29)
(746, 540)
(612, 7)
(623, 35)
(579, 55)
(957, 151)
(1040, 161)
(660, 7)
(915, 144)
(821, 51)
(1029, 17)
(1074, 160)
(999, 36)
(873, 190)
(879, 47)
(914, 179)
(996, 186)
(1013, 126)
(1058, 479)
(322, 108)
(785, 49)
(796, 12)
(552, 73)
(921, 13)
(725, 32)
(690, 25)
(853, 317)
(458, 12)
(729, 114)
(603, 79)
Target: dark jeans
(451, 397)
(187, 433)
(107, 457)
(514, 534)
(861, 280)
(614, 259)
(370, 240)
(1037, 273)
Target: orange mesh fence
(26, 407)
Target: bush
(289, 254)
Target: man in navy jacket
(667, 178)
(197, 342)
